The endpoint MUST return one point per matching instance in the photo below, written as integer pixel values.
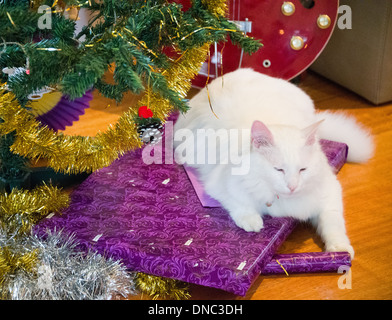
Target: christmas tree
(142, 40)
(152, 46)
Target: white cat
(288, 173)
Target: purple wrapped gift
(205, 199)
(307, 262)
(336, 153)
(150, 217)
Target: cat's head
(291, 155)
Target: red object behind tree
(293, 37)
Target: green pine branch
(133, 36)
(127, 31)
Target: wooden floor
(367, 200)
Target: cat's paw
(250, 223)
(341, 247)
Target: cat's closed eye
(282, 170)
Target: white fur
(339, 127)
(284, 138)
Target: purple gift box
(150, 217)
(307, 262)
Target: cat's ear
(310, 133)
(260, 135)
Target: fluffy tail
(342, 128)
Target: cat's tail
(342, 128)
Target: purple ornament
(66, 111)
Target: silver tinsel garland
(64, 273)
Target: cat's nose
(291, 188)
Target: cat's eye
(302, 169)
(279, 169)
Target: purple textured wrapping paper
(336, 153)
(150, 217)
(203, 196)
(307, 262)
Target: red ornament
(145, 112)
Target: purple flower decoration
(65, 112)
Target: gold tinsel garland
(217, 7)
(178, 77)
(160, 288)
(75, 154)
(10, 262)
(21, 209)
(70, 154)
